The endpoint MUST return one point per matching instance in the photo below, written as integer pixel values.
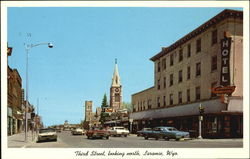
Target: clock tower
(116, 90)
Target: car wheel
(156, 138)
(166, 138)
(125, 135)
(88, 137)
(177, 139)
(145, 137)
(107, 137)
(55, 139)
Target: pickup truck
(118, 131)
(166, 133)
(97, 133)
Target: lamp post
(201, 110)
(27, 48)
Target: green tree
(128, 106)
(103, 106)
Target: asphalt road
(66, 140)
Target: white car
(118, 131)
(47, 134)
(78, 131)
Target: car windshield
(172, 129)
(46, 130)
(120, 128)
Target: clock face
(117, 89)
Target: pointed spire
(116, 77)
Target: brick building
(184, 74)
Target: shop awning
(211, 106)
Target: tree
(128, 106)
(103, 106)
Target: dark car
(143, 131)
(166, 133)
(97, 132)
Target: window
(171, 80)
(214, 63)
(198, 93)
(159, 84)
(144, 106)
(172, 59)
(180, 55)
(198, 45)
(149, 104)
(189, 50)
(188, 95)
(117, 97)
(164, 101)
(212, 86)
(214, 37)
(188, 72)
(171, 99)
(180, 76)
(180, 97)
(198, 69)
(164, 63)
(158, 102)
(159, 67)
(164, 82)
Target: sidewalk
(18, 140)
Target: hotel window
(212, 86)
(149, 103)
(188, 72)
(159, 84)
(198, 45)
(189, 50)
(198, 69)
(164, 101)
(214, 63)
(198, 93)
(180, 76)
(144, 106)
(180, 97)
(171, 99)
(214, 37)
(180, 55)
(172, 59)
(164, 82)
(159, 66)
(171, 80)
(158, 102)
(164, 63)
(188, 95)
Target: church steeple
(116, 78)
(116, 90)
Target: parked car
(97, 132)
(58, 130)
(166, 133)
(78, 131)
(143, 131)
(47, 134)
(118, 131)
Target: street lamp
(201, 111)
(27, 48)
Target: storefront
(219, 121)
(10, 121)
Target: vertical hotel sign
(225, 54)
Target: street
(66, 140)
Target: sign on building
(225, 54)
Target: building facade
(184, 75)
(116, 91)
(15, 112)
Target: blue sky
(86, 43)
